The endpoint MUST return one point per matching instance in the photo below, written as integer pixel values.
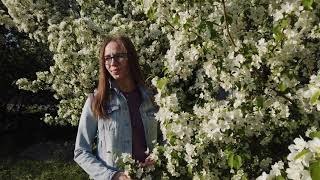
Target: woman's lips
(115, 71)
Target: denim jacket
(113, 133)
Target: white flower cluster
(132, 167)
(303, 160)
(310, 94)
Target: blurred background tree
(21, 110)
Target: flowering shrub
(304, 160)
(73, 35)
(133, 169)
(237, 80)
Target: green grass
(40, 170)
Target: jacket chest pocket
(111, 122)
(111, 127)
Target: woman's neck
(126, 85)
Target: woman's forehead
(114, 47)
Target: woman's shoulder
(89, 100)
(148, 91)
(149, 95)
(90, 96)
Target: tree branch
(227, 25)
(282, 95)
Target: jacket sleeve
(83, 155)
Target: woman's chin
(117, 76)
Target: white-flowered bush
(73, 31)
(237, 80)
(303, 160)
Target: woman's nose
(113, 61)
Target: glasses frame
(118, 57)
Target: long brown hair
(103, 94)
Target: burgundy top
(139, 145)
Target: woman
(120, 113)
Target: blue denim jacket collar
(144, 92)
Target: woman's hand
(148, 162)
(121, 176)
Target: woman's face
(116, 60)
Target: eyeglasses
(119, 57)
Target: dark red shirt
(139, 145)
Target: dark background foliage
(20, 111)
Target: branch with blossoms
(137, 170)
(285, 97)
(197, 34)
(303, 160)
(133, 168)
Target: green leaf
(282, 87)
(284, 23)
(315, 170)
(237, 162)
(300, 154)
(314, 98)
(244, 177)
(175, 19)
(277, 30)
(260, 101)
(211, 29)
(234, 161)
(230, 160)
(202, 26)
(162, 82)
(315, 134)
(164, 70)
(171, 137)
(307, 4)
(151, 14)
(279, 178)
(278, 36)
(187, 25)
(190, 170)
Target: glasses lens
(121, 56)
(117, 57)
(108, 59)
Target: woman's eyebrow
(115, 54)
